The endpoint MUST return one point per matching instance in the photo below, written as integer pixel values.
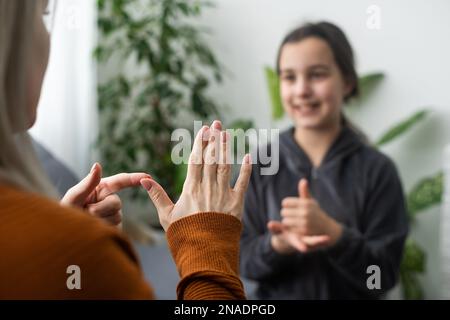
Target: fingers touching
(118, 182)
(78, 194)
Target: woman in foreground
(42, 241)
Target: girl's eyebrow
(286, 70)
(319, 66)
(314, 66)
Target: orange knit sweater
(39, 240)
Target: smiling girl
(336, 205)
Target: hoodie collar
(296, 159)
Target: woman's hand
(304, 226)
(97, 195)
(207, 185)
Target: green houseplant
(159, 71)
(425, 194)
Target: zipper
(312, 183)
(314, 174)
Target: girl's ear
(348, 87)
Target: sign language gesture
(98, 196)
(305, 226)
(207, 185)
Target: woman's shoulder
(41, 219)
(25, 203)
(44, 240)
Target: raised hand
(98, 196)
(304, 226)
(207, 185)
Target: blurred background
(124, 74)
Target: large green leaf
(402, 127)
(368, 82)
(273, 83)
(413, 257)
(427, 193)
(413, 262)
(412, 289)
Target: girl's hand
(305, 226)
(207, 185)
(97, 196)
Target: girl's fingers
(303, 189)
(300, 245)
(290, 202)
(309, 243)
(316, 241)
(275, 227)
(292, 222)
(290, 212)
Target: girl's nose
(302, 88)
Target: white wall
(412, 48)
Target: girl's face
(38, 61)
(311, 84)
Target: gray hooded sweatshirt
(356, 185)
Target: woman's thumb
(78, 194)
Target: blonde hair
(19, 165)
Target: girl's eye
(317, 75)
(288, 77)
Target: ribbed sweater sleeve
(205, 248)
